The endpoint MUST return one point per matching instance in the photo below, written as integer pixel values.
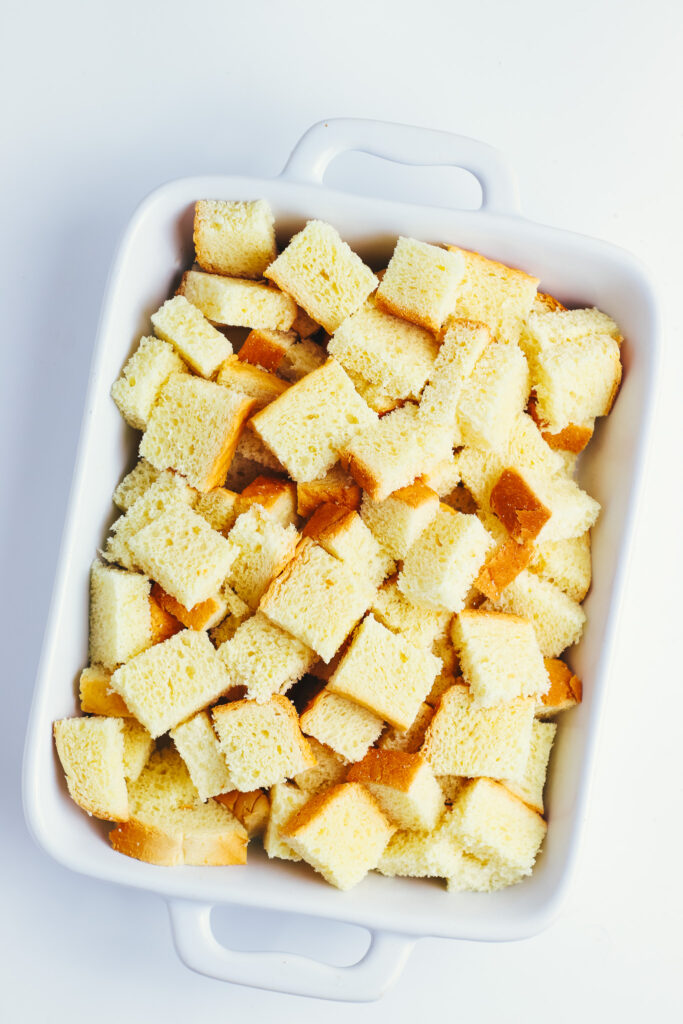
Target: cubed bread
(416, 623)
(234, 302)
(464, 738)
(276, 496)
(251, 809)
(120, 620)
(391, 452)
(137, 747)
(341, 724)
(197, 744)
(503, 564)
(180, 323)
(336, 486)
(444, 561)
(566, 563)
(285, 801)
(260, 548)
(194, 428)
(464, 342)
(411, 739)
(571, 440)
(262, 386)
(385, 350)
(329, 769)
(262, 743)
(169, 825)
(499, 656)
(91, 753)
(171, 681)
(343, 533)
(403, 785)
(309, 424)
(234, 238)
(399, 519)
(168, 491)
(264, 658)
(421, 283)
(420, 854)
(184, 555)
(494, 395)
(95, 696)
(341, 833)
(134, 484)
(375, 395)
(220, 507)
(500, 296)
(558, 620)
(385, 674)
(164, 625)
(565, 690)
(318, 598)
(203, 615)
(143, 376)
(518, 507)
(266, 349)
(327, 279)
(530, 787)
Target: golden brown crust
(252, 810)
(311, 495)
(415, 495)
(148, 843)
(394, 768)
(399, 309)
(164, 625)
(304, 325)
(362, 474)
(96, 698)
(573, 438)
(549, 303)
(259, 384)
(267, 491)
(522, 514)
(565, 690)
(502, 269)
(502, 567)
(216, 475)
(265, 348)
(328, 521)
(193, 618)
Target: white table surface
(105, 101)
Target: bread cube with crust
(262, 386)
(94, 694)
(493, 397)
(276, 496)
(327, 279)
(341, 724)
(91, 753)
(220, 507)
(264, 658)
(143, 376)
(329, 769)
(168, 491)
(421, 283)
(499, 656)
(416, 623)
(234, 302)
(498, 295)
(558, 621)
(565, 690)
(182, 325)
(196, 742)
(518, 507)
(235, 238)
(343, 533)
(120, 619)
(566, 563)
(251, 809)
(403, 785)
(335, 486)
(260, 548)
(203, 615)
(399, 519)
(285, 801)
(530, 787)
(266, 349)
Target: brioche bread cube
(573, 512)
(251, 809)
(91, 753)
(262, 743)
(266, 349)
(169, 825)
(167, 492)
(343, 533)
(341, 833)
(194, 428)
(181, 324)
(252, 448)
(565, 690)
(443, 563)
(259, 549)
(519, 509)
(464, 738)
(308, 425)
(327, 279)
(135, 483)
(203, 615)
(143, 376)
(566, 563)
(237, 611)
(234, 238)
(499, 656)
(403, 785)
(137, 747)
(385, 674)
(420, 854)
(336, 486)
(504, 563)
(392, 451)
(421, 282)
(318, 598)
(94, 694)
(493, 397)
(411, 739)
(498, 295)
(464, 342)
(475, 875)
(374, 395)
(234, 302)
(385, 350)
(120, 619)
(496, 826)
(341, 724)
(264, 658)
(399, 519)
(262, 386)
(330, 768)
(416, 623)
(197, 744)
(171, 681)
(530, 787)
(571, 440)
(182, 553)
(220, 507)
(277, 497)
(285, 801)
(557, 620)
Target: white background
(102, 102)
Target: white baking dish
(155, 248)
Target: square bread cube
(262, 386)
(120, 618)
(318, 598)
(91, 753)
(403, 785)
(336, 485)
(135, 483)
(308, 425)
(266, 349)
(341, 833)
(343, 533)
(262, 743)
(421, 283)
(571, 440)
(399, 519)
(276, 496)
(220, 507)
(499, 656)
(194, 428)
(143, 376)
(330, 768)
(385, 350)
(530, 787)
(442, 564)
(327, 279)
(503, 564)
(168, 491)
(565, 690)
(285, 801)
(557, 620)
(264, 658)
(493, 397)
(184, 555)
(498, 295)
(341, 724)
(171, 681)
(234, 302)
(234, 238)
(566, 563)
(464, 738)
(416, 623)
(385, 674)
(260, 548)
(409, 740)
(197, 744)
(203, 615)
(420, 854)
(95, 697)
(464, 342)
(183, 325)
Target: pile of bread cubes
(331, 612)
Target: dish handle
(405, 144)
(364, 981)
